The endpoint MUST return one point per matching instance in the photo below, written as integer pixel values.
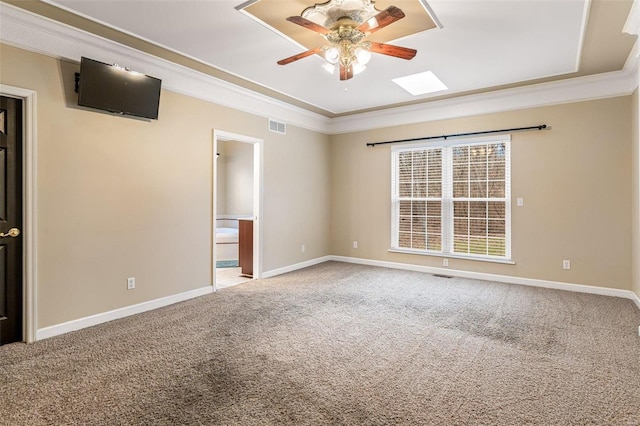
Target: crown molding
(632, 26)
(35, 33)
(607, 85)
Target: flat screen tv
(116, 89)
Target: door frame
(258, 165)
(29, 198)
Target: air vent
(277, 127)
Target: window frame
(447, 218)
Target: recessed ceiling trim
(430, 12)
(583, 32)
(272, 14)
(245, 4)
(267, 26)
(632, 25)
(289, 86)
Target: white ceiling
(482, 44)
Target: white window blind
(452, 198)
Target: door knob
(13, 232)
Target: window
(452, 198)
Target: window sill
(453, 256)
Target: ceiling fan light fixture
(332, 55)
(362, 55)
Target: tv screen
(115, 89)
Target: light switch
(519, 201)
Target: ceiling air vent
(277, 127)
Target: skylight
(421, 83)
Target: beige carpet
(341, 344)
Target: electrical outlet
(355, 244)
(303, 248)
(131, 283)
(519, 201)
(566, 264)
(445, 262)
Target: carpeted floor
(341, 344)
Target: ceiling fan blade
(381, 20)
(303, 22)
(391, 50)
(346, 72)
(299, 56)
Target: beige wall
(575, 180)
(235, 178)
(297, 197)
(121, 197)
(635, 194)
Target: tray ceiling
(481, 45)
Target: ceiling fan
(347, 47)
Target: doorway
(11, 252)
(28, 234)
(237, 206)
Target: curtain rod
(457, 135)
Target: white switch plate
(303, 248)
(519, 201)
(445, 262)
(355, 244)
(131, 283)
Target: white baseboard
(636, 299)
(580, 288)
(66, 327)
(296, 266)
(58, 329)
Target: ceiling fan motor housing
(345, 29)
(347, 38)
